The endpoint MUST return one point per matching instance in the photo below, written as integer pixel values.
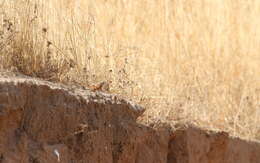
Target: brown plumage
(102, 86)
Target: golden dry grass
(195, 61)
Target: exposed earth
(44, 122)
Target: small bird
(102, 86)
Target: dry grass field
(186, 61)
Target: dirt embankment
(43, 122)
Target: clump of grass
(185, 61)
(25, 45)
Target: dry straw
(195, 61)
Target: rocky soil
(43, 122)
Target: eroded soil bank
(43, 122)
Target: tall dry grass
(195, 61)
